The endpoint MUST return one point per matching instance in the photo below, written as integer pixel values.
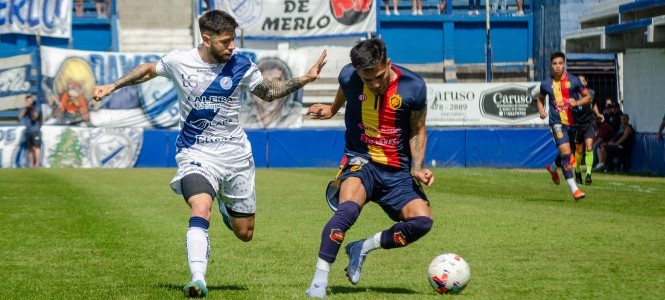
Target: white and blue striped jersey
(209, 99)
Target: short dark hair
(556, 55)
(217, 22)
(368, 54)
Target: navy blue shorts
(562, 134)
(391, 188)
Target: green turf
(120, 234)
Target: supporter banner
(280, 113)
(14, 84)
(69, 77)
(483, 104)
(77, 147)
(36, 17)
(11, 152)
(302, 18)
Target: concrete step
(155, 40)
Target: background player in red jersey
(563, 89)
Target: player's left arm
(417, 144)
(271, 90)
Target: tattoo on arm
(271, 90)
(418, 141)
(137, 75)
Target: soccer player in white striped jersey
(213, 154)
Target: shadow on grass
(178, 287)
(547, 200)
(354, 290)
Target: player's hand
(601, 118)
(320, 111)
(102, 91)
(315, 72)
(572, 102)
(425, 176)
(543, 114)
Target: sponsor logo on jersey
(337, 236)
(355, 168)
(202, 124)
(362, 97)
(395, 101)
(201, 139)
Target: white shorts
(233, 182)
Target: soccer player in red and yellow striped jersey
(563, 90)
(386, 106)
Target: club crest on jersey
(225, 82)
(355, 168)
(362, 97)
(337, 236)
(395, 101)
(567, 84)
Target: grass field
(119, 234)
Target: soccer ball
(448, 273)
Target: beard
(219, 57)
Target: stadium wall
(323, 147)
(491, 147)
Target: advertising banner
(36, 17)
(483, 104)
(14, 84)
(290, 19)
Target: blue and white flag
(36, 17)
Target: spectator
(504, 7)
(474, 6)
(395, 10)
(520, 8)
(31, 116)
(417, 7)
(612, 114)
(102, 7)
(619, 148)
(660, 130)
(79, 8)
(442, 7)
(603, 134)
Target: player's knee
(417, 228)
(421, 225)
(347, 213)
(245, 235)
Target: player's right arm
(541, 106)
(323, 111)
(142, 73)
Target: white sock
(572, 184)
(198, 248)
(372, 243)
(321, 272)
